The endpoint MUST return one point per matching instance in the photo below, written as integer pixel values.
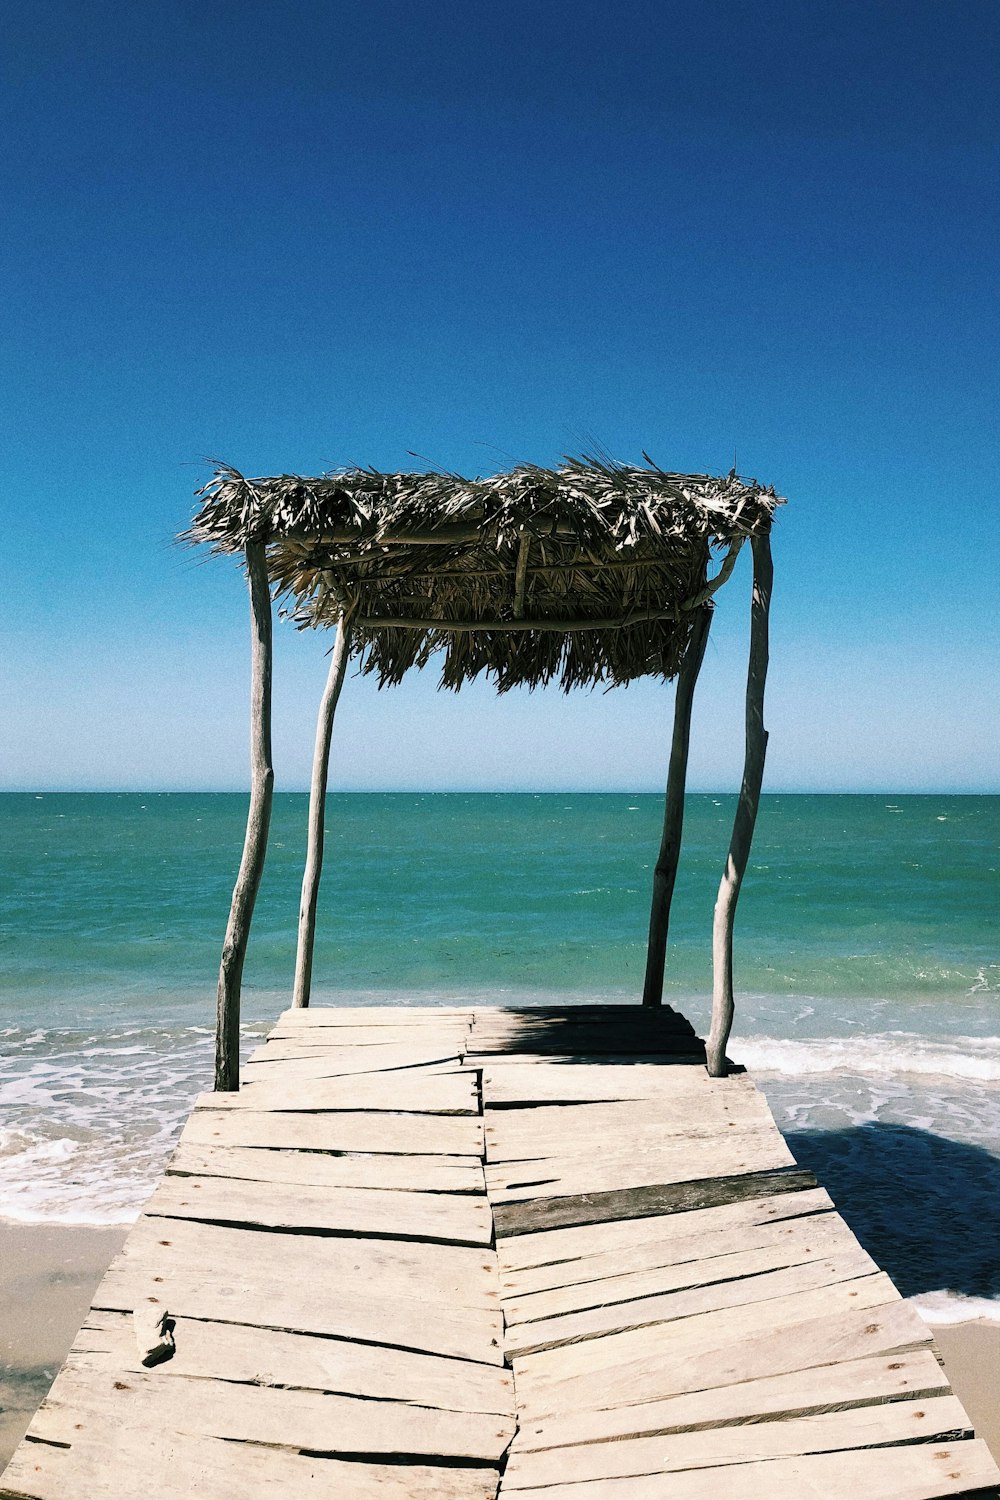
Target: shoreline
(49, 1273)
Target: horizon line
(480, 791)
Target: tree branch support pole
(317, 811)
(227, 1036)
(746, 812)
(665, 873)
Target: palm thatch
(589, 573)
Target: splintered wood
(454, 1254)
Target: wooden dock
(468, 1253)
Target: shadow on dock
(925, 1208)
(589, 1034)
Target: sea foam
(887, 1055)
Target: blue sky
(301, 235)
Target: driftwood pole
(227, 1036)
(746, 812)
(317, 809)
(665, 872)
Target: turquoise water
(113, 903)
(867, 961)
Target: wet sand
(48, 1274)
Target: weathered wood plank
(557, 1113)
(587, 1208)
(453, 1275)
(375, 1015)
(700, 1255)
(836, 1239)
(925, 1420)
(428, 1174)
(348, 1062)
(456, 1218)
(918, 1472)
(667, 1051)
(595, 1323)
(116, 1462)
(852, 1382)
(849, 1320)
(675, 1161)
(516, 1024)
(507, 1084)
(271, 1357)
(319, 1421)
(353, 1311)
(403, 1092)
(348, 1130)
(299, 1041)
(554, 1245)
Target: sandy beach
(48, 1273)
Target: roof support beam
(317, 813)
(560, 627)
(665, 873)
(449, 534)
(227, 1035)
(746, 812)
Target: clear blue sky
(301, 235)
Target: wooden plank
(659, 1279)
(633, 1203)
(395, 1134)
(404, 1092)
(455, 1218)
(550, 1247)
(453, 1275)
(268, 1067)
(676, 1161)
(589, 1083)
(661, 1113)
(612, 1020)
(646, 1311)
(855, 1382)
(921, 1471)
(607, 1008)
(583, 1047)
(847, 1321)
(355, 1310)
(933, 1419)
(271, 1357)
(121, 1463)
(374, 1015)
(429, 1174)
(316, 1420)
(299, 1041)
(698, 1254)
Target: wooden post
(665, 872)
(317, 809)
(746, 812)
(227, 1036)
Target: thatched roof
(589, 573)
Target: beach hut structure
(589, 573)
(469, 1252)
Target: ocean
(867, 972)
